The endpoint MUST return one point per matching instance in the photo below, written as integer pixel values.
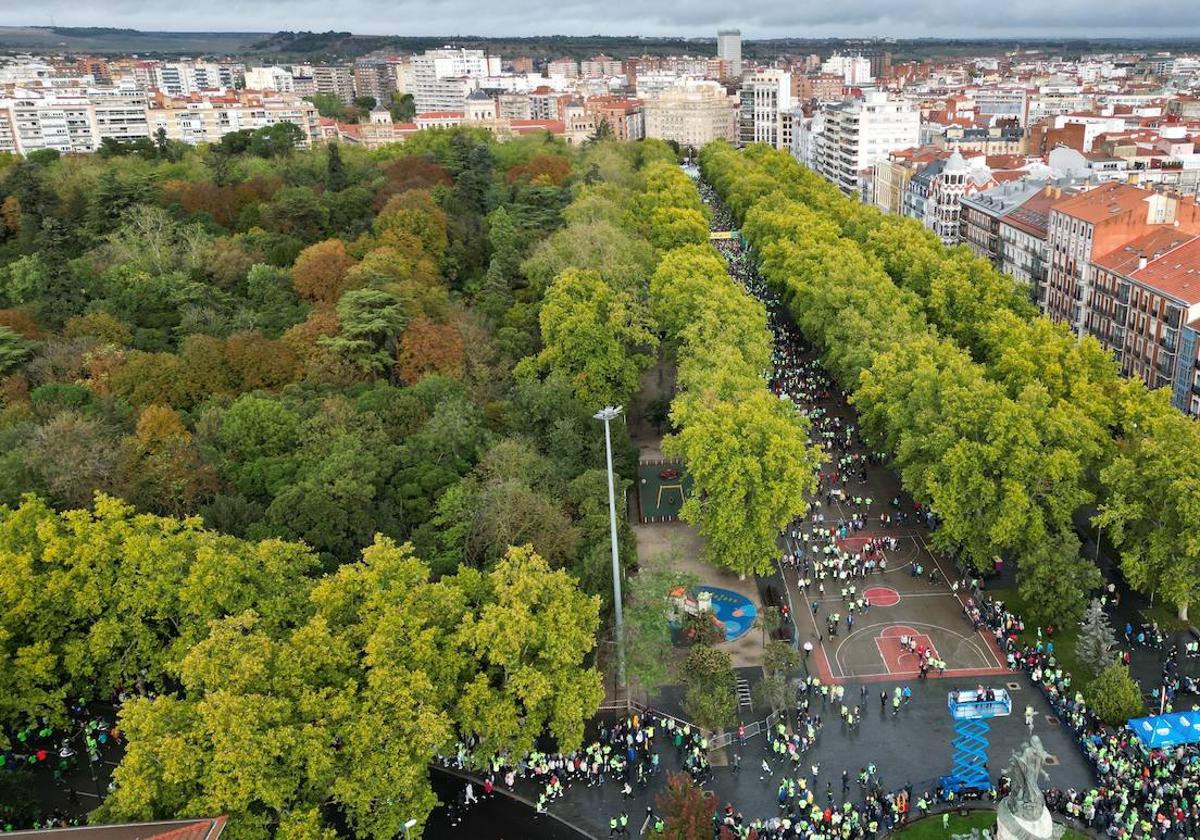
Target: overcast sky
(766, 18)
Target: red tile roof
(1152, 245)
(1176, 273)
(1104, 202)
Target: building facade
(729, 50)
(442, 79)
(375, 78)
(1097, 222)
(334, 79)
(766, 95)
(1146, 309)
(858, 133)
(692, 115)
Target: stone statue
(1026, 769)
(1022, 815)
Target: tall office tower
(729, 47)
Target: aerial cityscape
(614, 423)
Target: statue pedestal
(1009, 826)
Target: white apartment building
(182, 78)
(25, 72)
(729, 50)
(1003, 103)
(692, 115)
(652, 84)
(854, 69)
(30, 123)
(601, 67)
(858, 133)
(119, 114)
(274, 78)
(442, 79)
(766, 96)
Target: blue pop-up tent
(1167, 730)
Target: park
(469, 488)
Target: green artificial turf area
(1064, 640)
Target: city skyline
(864, 18)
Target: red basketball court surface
(901, 604)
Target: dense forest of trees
(272, 424)
(1000, 419)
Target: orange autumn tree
(20, 322)
(321, 270)
(304, 339)
(259, 362)
(544, 170)
(428, 347)
(411, 172)
(160, 468)
(410, 216)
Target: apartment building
(1145, 308)
(274, 78)
(983, 213)
(514, 106)
(442, 79)
(853, 70)
(546, 104)
(375, 78)
(816, 87)
(600, 67)
(63, 123)
(182, 78)
(208, 119)
(1098, 222)
(335, 79)
(1003, 103)
(855, 134)
(729, 50)
(693, 114)
(1024, 239)
(119, 114)
(567, 68)
(625, 117)
(890, 177)
(766, 94)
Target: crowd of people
(1140, 792)
(41, 753)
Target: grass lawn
(1166, 618)
(931, 827)
(1064, 640)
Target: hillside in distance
(105, 41)
(298, 46)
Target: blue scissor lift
(971, 711)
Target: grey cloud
(769, 18)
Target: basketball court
(903, 606)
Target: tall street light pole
(607, 414)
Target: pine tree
(1096, 640)
(335, 170)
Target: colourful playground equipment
(971, 711)
(730, 612)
